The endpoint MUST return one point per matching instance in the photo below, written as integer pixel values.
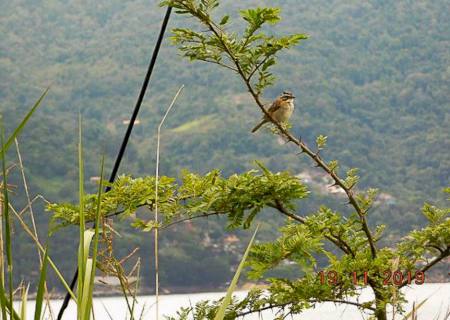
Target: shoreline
(111, 293)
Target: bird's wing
(274, 106)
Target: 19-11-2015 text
(389, 277)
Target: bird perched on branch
(281, 109)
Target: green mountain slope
(373, 77)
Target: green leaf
(90, 284)
(333, 164)
(41, 287)
(145, 226)
(3, 300)
(82, 255)
(220, 315)
(23, 304)
(321, 141)
(257, 17)
(433, 214)
(5, 216)
(84, 310)
(224, 20)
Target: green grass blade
(124, 288)
(41, 287)
(7, 220)
(136, 288)
(61, 278)
(23, 305)
(226, 301)
(42, 249)
(413, 312)
(22, 124)
(81, 253)
(85, 296)
(88, 235)
(96, 234)
(4, 203)
(6, 304)
(3, 300)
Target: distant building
(321, 181)
(385, 198)
(230, 243)
(127, 121)
(336, 189)
(231, 239)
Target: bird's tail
(259, 125)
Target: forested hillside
(374, 77)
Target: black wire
(126, 137)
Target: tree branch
(249, 77)
(435, 247)
(218, 63)
(444, 254)
(301, 145)
(283, 305)
(192, 218)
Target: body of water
(438, 303)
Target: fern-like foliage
(254, 49)
(241, 197)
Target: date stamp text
(397, 278)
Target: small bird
(281, 109)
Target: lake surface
(437, 304)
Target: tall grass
(86, 262)
(6, 302)
(6, 222)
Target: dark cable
(127, 136)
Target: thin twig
(192, 218)
(156, 200)
(36, 197)
(27, 194)
(29, 207)
(249, 77)
(283, 305)
(41, 247)
(219, 63)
